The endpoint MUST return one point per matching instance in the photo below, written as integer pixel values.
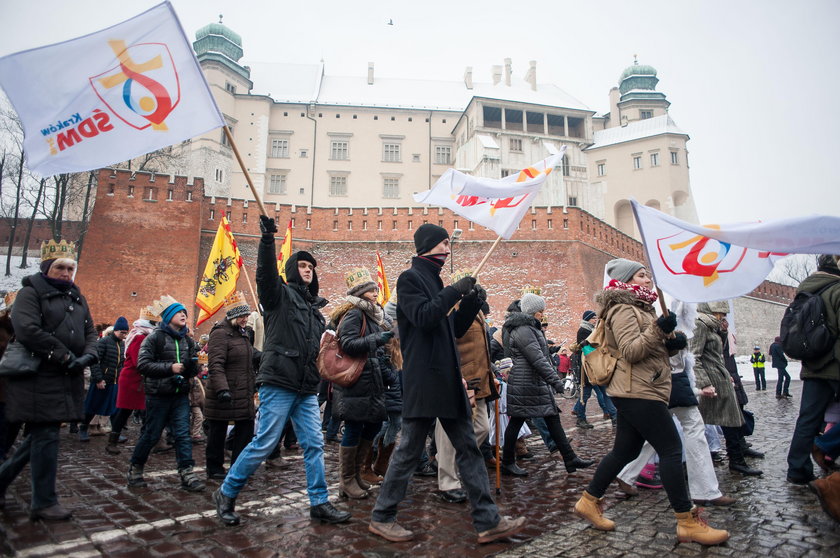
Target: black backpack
(804, 332)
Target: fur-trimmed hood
(612, 297)
(516, 319)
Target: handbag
(18, 360)
(334, 365)
(749, 423)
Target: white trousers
(447, 470)
(702, 482)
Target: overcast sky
(752, 82)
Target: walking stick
(498, 457)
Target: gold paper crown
(53, 250)
(235, 305)
(532, 290)
(460, 274)
(202, 357)
(158, 306)
(358, 276)
(147, 313)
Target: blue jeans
(162, 411)
(603, 400)
(354, 432)
(276, 406)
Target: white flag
(498, 204)
(696, 263)
(109, 96)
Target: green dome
(637, 76)
(218, 38)
(637, 70)
(219, 29)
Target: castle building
(318, 140)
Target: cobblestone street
(771, 518)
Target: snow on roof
(638, 129)
(305, 83)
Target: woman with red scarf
(640, 389)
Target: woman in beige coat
(640, 388)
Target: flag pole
(486, 257)
(229, 137)
(659, 292)
(250, 286)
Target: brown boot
(828, 491)
(589, 508)
(365, 475)
(347, 485)
(383, 456)
(691, 528)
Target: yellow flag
(285, 251)
(220, 273)
(381, 282)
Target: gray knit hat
(622, 270)
(531, 304)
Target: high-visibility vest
(757, 360)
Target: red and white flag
(498, 204)
(703, 263)
(109, 96)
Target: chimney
(531, 75)
(497, 74)
(370, 73)
(615, 114)
(508, 64)
(468, 77)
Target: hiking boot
(627, 489)
(327, 513)
(189, 480)
(135, 476)
(578, 463)
(225, 507)
(589, 508)
(506, 527)
(692, 528)
(583, 423)
(84, 434)
(390, 531)
(113, 440)
(56, 512)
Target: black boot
(742, 467)
(113, 440)
(514, 470)
(327, 513)
(224, 508)
(749, 452)
(578, 463)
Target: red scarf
(642, 293)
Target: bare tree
(87, 209)
(14, 224)
(794, 269)
(23, 263)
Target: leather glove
(667, 323)
(384, 337)
(677, 343)
(77, 364)
(474, 384)
(480, 293)
(464, 285)
(224, 397)
(267, 225)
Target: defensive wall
(151, 235)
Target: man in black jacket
(288, 378)
(433, 387)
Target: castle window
(573, 201)
(131, 191)
(549, 224)
(308, 224)
(244, 218)
(533, 224)
(391, 188)
(280, 148)
(303, 153)
(645, 114)
(410, 225)
(212, 214)
(637, 162)
(230, 88)
(338, 185)
(189, 196)
(391, 153)
(472, 226)
(394, 225)
(516, 144)
(339, 150)
(675, 158)
(227, 215)
(349, 225)
(513, 119)
(110, 189)
(379, 225)
(654, 159)
(151, 194)
(364, 225)
(277, 184)
(443, 154)
(169, 194)
(602, 169)
(335, 225)
(505, 173)
(219, 175)
(224, 140)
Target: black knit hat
(428, 236)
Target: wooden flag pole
(229, 137)
(486, 257)
(498, 456)
(250, 287)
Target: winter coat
(6, 333)
(530, 381)
(293, 324)
(431, 378)
(474, 351)
(682, 387)
(393, 394)
(643, 370)
(364, 401)
(158, 352)
(826, 367)
(130, 392)
(110, 350)
(497, 352)
(777, 354)
(707, 346)
(231, 365)
(732, 367)
(55, 324)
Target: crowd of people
(433, 369)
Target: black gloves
(480, 293)
(677, 343)
(77, 364)
(667, 323)
(384, 337)
(224, 397)
(267, 225)
(474, 384)
(464, 285)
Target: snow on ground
(12, 282)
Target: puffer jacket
(293, 324)
(231, 363)
(707, 346)
(111, 353)
(826, 367)
(158, 352)
(364, 401)
(530, 382)
(55, 324)
(643, 370)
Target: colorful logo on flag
(143, 88)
